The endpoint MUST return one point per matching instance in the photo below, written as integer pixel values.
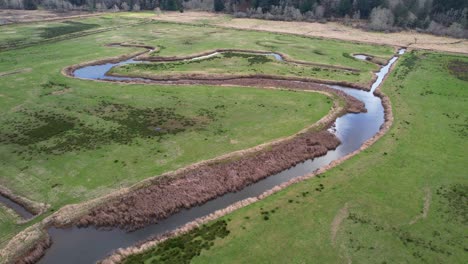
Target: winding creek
(88, 245)
(19, 209)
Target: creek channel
(88, 245)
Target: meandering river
(88, 245)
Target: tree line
(442, 17)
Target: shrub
(240, 14)
(381, 19)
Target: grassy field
(234, 63)
(404, 200)
(66, 140)
(21, 35)
(331, 30)
(8, 224)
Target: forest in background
(440, 17)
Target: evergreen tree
(29, 5)
(345, 7)
(218, 5)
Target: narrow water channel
(88, 245)
(19, 209)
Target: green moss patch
(184, 248)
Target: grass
(374, 202)
(232, 63)
(174, 40)
(183, 248)
(7, 225)
(22, 35)
(66, 140)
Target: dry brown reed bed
(167, 196)
(36, 252)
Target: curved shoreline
(189, 78)
(285, 58)
(32, 207)
(64, 217)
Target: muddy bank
(220, 79)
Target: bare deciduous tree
(381, 19)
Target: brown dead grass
(328, 30)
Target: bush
(455, 30)
(203, 5)
(240, 14)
